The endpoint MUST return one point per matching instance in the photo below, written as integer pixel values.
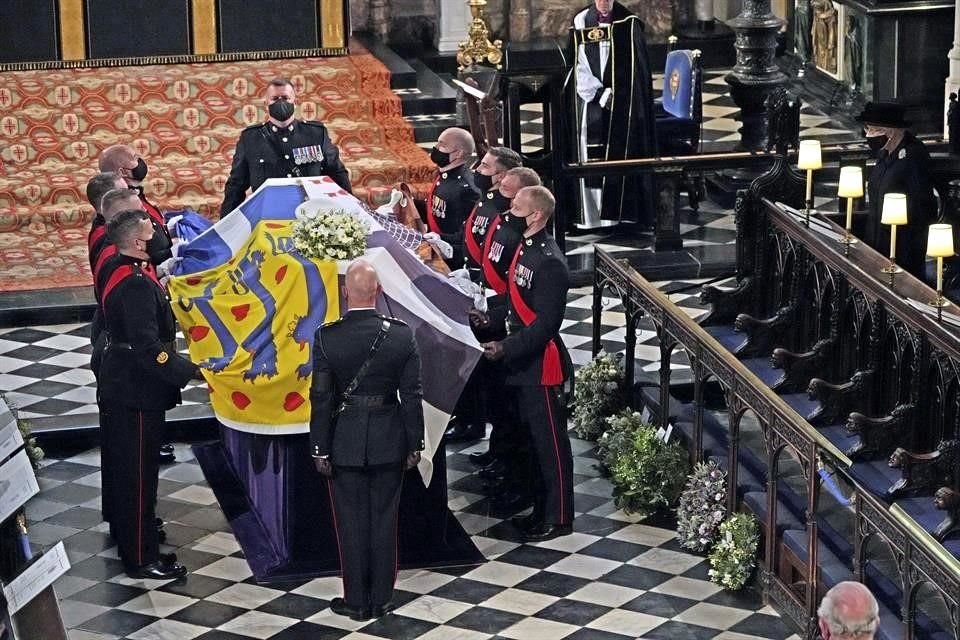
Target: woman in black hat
(902, 167)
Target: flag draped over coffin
(249, 305)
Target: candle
(894, 213)
(809, 158)
(850, 187)
(940, 246)
(893, 242)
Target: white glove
(460, 274)
(440, 245)
(163, 269)
(172, 224)
(387, 209)
(480, 302)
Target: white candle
(893, 241)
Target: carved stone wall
(552, 17)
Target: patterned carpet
(184, 119)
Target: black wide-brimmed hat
(884, 114)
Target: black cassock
(618, 124)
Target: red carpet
(184, 119)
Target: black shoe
(382, 610)
(547, 532)
(482, 459)
(341, 608)
(496, 469)
(159, 570)
(168, 559)
(459, 432)
(527, 523)
(167, 455)
(507, 504)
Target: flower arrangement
(34, 452)
(647, 473)
(735, 554)
(329, 234)
(702, 506)
(597, 394)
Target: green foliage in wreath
(735, 554)
(598, 394)
(34, 452)
(646, 472)
(702, 507)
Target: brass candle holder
(809, 158)
(850, 187)
(940, 246)
(894, 213)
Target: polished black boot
(167, 455)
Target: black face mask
(877, 142)
(482, 181)
(439, 158)
(281, 110)
(139, 172)
(158, 247)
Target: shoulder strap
(384, 328)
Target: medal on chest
(480, 224)
(524, 276)
(439, 207)
(496, 252)
(307, 155)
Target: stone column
(380, 19)
(953, 80)
(452, 24)
(756, 73)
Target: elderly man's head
(122, 160)
(361, 285)
(117, 200)
(848, 612)
(454, 147)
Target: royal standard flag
(249, 305)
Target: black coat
(140, 367)
(363, 436)
(906, 170)
(536, 300)
(478, 224)
(450, 202)
(266, 151)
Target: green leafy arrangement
(735, 555)
(646, 472)
(598, 394)
(34, 452)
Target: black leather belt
(370, 402)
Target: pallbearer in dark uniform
(471, 411)
(453, 194)
(282, 147)
(486, 178)
(97, 186)
(614, 111)
(130, 166)
(538, 365)
(140, 379)
(506, 461)
(366, 429)
(903, 166)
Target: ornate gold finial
(478, 45)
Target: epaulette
(331, 323)
(391, 319)
(313, 123)
(254, 126)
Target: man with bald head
(366, 429)
(453, 195)
(848, 611)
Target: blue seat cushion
(832, 570)
(762, 368)
(801, 403)
(875, 476)
(727, 336)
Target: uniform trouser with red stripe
(134, 454)
(543, 414)
(365, 506)
(107, 461)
